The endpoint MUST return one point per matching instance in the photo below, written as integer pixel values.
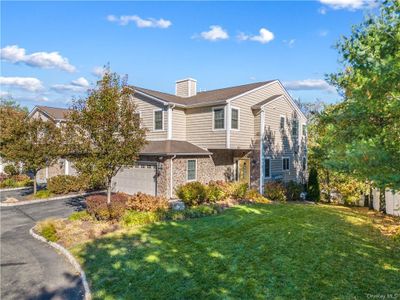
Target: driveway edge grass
(48, 199)
(70, 258)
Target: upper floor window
(304, 163)
(191, 169)
(282, 122)
(295, 128)
(304, 129)
(158, 120)
(235, 118)
(285, 163)
(137, 120)
(219, 118)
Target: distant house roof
(55, 113)
(172, 147)
(204, 98)
(260, 104)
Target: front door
(243, 170)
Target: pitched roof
(172, 147)
(260, 104)
(56, 113)
(207, 97)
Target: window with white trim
(137, 120)
(304, 129)
(267, 168)
(282, 122)
(285, 163)
(158, 120)
(219, 118)
(304, 163)
(235, 118)
(295, 128)
(191, 169)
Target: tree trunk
(34, 183)
(328, 186)
(109, 192)
(382, 202)
(371, 198)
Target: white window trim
(305, 165)
(284, 157)
(154, 120)
(270, 167)
(187, 170)
(238, 109)
(213, 118)
(298, 129)
(284, 122)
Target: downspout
(169, 133)
(228, 125)
(262, 133)
(171, 184)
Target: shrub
(82, 215)
(10, 170)
(313, 190)
(192, 212)
(47, 229)
(275, 191)
(8, 183)
(239, 190)
(97, 206)
(43, 194)
(215, 192)
(63, 184)
(254, 196)
(192, 193)
(132, 218)
(293, 190)
(145, 202)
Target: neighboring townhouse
(253, 133)
(57, 116)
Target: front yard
(248, 252)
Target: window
(158, 120)
(304, 163)
(304, 129)
(285, 163)
(235, 118)
(219, 118)
(137, 120)
(295, 128)
(191, 169)
(267, 168)
(282, 122)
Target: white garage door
(141, 178)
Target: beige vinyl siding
(199, 129)
(146, 107)
(39, 115)
(245, 137)
(178, 124)
(280, 143)
(182, 89)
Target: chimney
(186, 87)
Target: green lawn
(248, 252)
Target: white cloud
(44, 60)
(265, 36)
(98, 71)
(322, 10)
(81, 81)
(78, 86)
(290, 43)
(26, 83)
(215, 33)
(309, 84)
(141, 23)
(349, 4)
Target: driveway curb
(70, 258)
(48, 199)
(16, 189)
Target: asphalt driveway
(29, 268)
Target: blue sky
(51, 49)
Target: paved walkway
(29, 268)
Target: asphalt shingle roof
(57, 113)
(172, 147)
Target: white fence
(392, 200)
